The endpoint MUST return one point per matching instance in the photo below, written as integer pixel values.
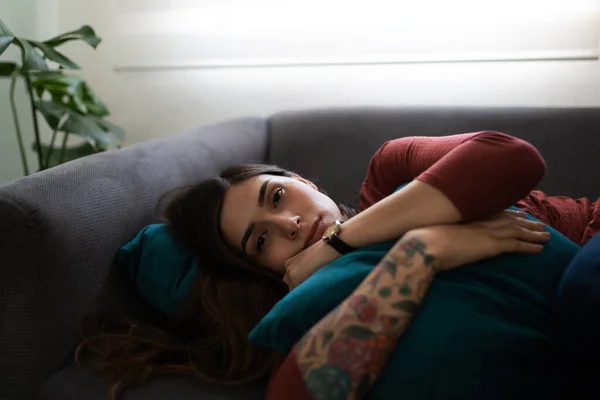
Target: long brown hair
(208, 338)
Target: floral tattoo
(342, 356)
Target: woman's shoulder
(401, 160)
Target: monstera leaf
(56, 156)
(7, 68)
(85, 34)
(5, 41)
(34, 54)
(99, 133)
(77, 93)
(6, 37)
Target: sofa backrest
(60, 229)
(334, 146)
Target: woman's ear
(305, 181)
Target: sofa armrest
(60, 229)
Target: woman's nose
(289, 225)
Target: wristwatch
(331, 237)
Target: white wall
(151, 104)
(32, 19)
(20, 16)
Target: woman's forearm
(353, 343)
(414, 206)
(474, 180)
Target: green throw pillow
(485, 331)
(161, 270)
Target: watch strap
(339, 245)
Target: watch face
(331, 230)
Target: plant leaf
(94, 104)
(110, 127)
(59, 86)
(57, 78)
(71, 153)
(5, 41)
(32, 60)
(51, 114)
(85, 33)
(4, 29)
(54, 55)
(81, 97)
(7, 68)
(86, 126)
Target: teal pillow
(161, 270)
(485, 331)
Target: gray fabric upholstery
(60, 229)
(334, 146)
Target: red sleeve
(287, 383)
(481, 173)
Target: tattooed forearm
(343, 355)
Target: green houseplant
(65, 101)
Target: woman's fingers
(287, 280)
(514, 220)
(519, 246)
(528, 223)
(515, 213)
(517, 234)
(521, 233)
(531, 225)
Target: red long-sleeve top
(482, 174)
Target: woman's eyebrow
(261, 193)
(247, 235)
(261, 203)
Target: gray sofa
(60, 229)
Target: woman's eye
(277, 197)
(261, 242)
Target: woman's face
(273, 218)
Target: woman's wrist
(431, 250)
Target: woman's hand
(456, 245)
(307, 262)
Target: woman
(256, 224)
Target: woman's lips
(320, 232)
(315, 232)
